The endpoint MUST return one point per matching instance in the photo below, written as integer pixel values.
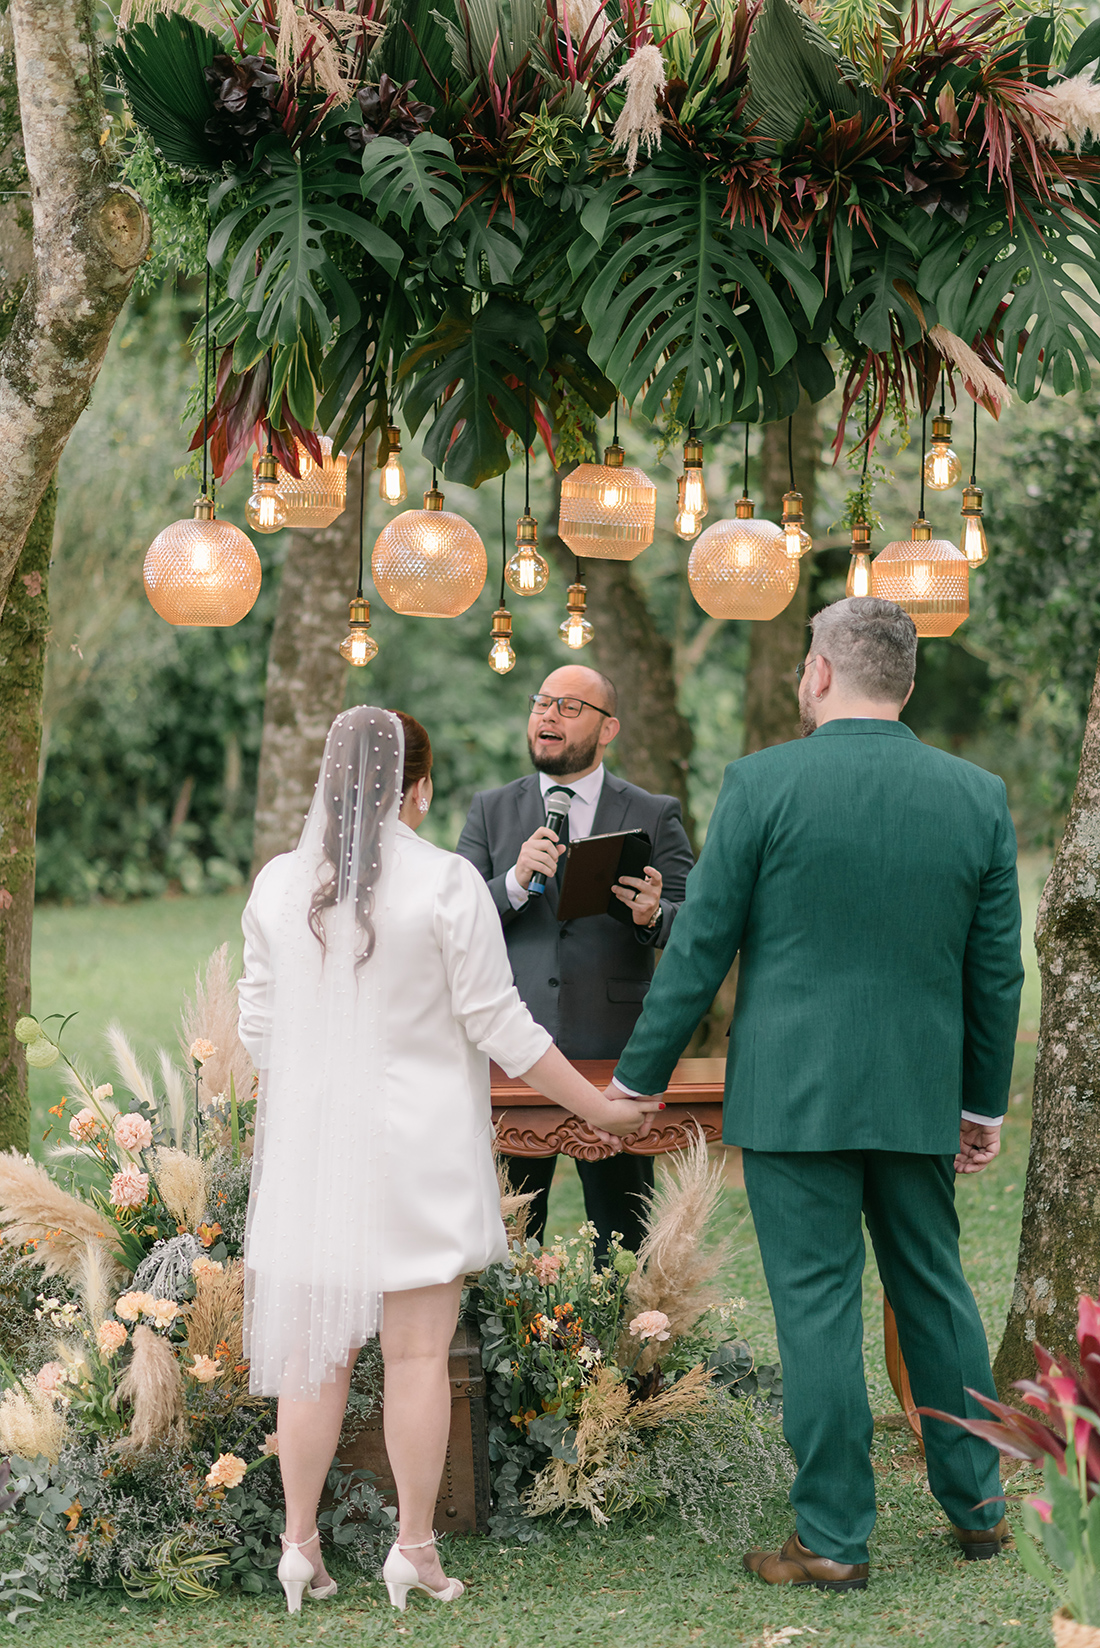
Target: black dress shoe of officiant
(979, 1544)
(795, 1565)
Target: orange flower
(74, 1513)
(207, 1234)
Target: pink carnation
(110, 1338)
(129, 1188)
(547, 1266)
(651, 1324)
(50, 1377)
(227, 1471)
(84, 1126)
(133, 1132)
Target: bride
(376, 988)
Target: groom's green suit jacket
(868, 882)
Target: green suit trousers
(807, 1210)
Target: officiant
(584, 980)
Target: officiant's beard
(569, 757)
(807, 720)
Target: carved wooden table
(529, 1125)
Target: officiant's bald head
(572, 721)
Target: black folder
(593, 866)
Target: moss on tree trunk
(24, 631)
(1059, 1256)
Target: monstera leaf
(1029, 282)
(664, 303)
(477, 354)
(296, 280)
(882, 297)
(405, 179)
(162, 70)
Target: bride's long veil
(312, 1243)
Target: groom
(869, 883)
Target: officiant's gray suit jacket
(584, 980)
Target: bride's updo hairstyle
(418, 752)
(355, 810)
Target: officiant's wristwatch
(656, 922)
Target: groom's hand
(978, 1146)
(652, 1106)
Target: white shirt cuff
(628, 1091)
(517, 895)
(982, 1121)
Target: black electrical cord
(362, 493)
(943, 390)
(578, 576)
(866, 433)
(745, 483)
(206, 377)
(923, 432)
(503, 536)
(615, 434)
(527, 441)
(790, 449)
(974, 457)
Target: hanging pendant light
(796, 540)
(942, 467)
(859, 568)
(575, 629)
(319, 492)
(927, 577)
(609, 510)
(265, 510)
(392, 488)
(739, 568)
(429, 563)
(973, 544)
(527, 573)
(692, 505)
(359, 646)
(202, 571)
(502, 658)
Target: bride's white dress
(374, 1144)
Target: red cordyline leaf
(1013, 1433)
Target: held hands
(641, 895)
(624, 1117)
(977, 1147)
(540, 851)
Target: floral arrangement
(1065, 1520)
(519, 209)
(598, 1370)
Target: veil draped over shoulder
(312, 1241)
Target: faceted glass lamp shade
(927, 577)
(202, 572)
(319, 492)
(429, 563)
(740, 568)
(609, 510)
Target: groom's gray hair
(871, 644)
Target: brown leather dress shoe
(979, 1544)
(795, 1565)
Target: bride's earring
(423, 805)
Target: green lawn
(650, 1583)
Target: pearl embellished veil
(312, 1241)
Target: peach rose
(205, 1369)
(131, 1305)
(111, 1338)
(84, 1126)
(651, 1324)
(129, 1189)
(133, 1132)
(163, 1312)
(202, 1266)
(227, 1471)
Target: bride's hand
(628, 1118)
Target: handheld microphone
(558, 803)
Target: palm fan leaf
(795, 70)
(161, 68)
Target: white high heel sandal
(401, 1577)
(295, 1573)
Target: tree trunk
(90, 235)
(1059, 1254)
(24, 631)
(776, 647)
(306, 676)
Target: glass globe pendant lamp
(501, 656)
(202, 571)
(392, 488)
(527, 573)
(359, 645)
(692, 504)
(927, 577)
(609, 510)
(265, 510)
(740, 568)
(429, 563)
(319, 492)
(859, 568)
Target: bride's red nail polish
(660, 1107)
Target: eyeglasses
(569, 708)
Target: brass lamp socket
(204, 508)
(922, 530)
(861, 536)
(389, 444)
(744, 508)
(433, 499)
(359, 612)
(972, 500)
(527, 531)
(941, 429)
(502, 624)
(613, 456)
(267, 469)
(792, 508)
(575, 598)
(693, 453)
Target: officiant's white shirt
(582, 816)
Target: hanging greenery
(707, 212)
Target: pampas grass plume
(640, 120)
(30, 1424)
(181, 1183)
(1066, 114)
(154, 1384)
(175, 1098)
(216, 1314)
(35, 1209)
(213, 1016)
(129, 1068)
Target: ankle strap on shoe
(424, 1543)
(293, 1545)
